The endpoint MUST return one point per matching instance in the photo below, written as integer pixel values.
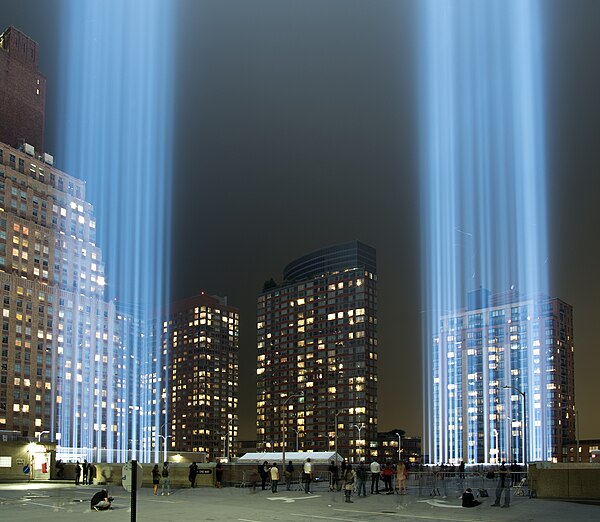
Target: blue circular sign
(26, 469)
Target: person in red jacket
(387, 471)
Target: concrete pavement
(49, 502)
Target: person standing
(387, 472)
(193, 474)
(402, 477)
(333, 476)
(263, 470)
(349, 476)
(289, 471)
(503, 485)
(85, 472)
(219, 475)
(77, 473)
(375, 471)
(60, 469)
(166, 481)
(155, 478)
(307, 475)
(514, 473)
(274, 471)
(361, 479)
(91, 473)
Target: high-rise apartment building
(59, 359)
(317, 354)
(61, 365)
(201, 337)
(501, 383)
(22, 91)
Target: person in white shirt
(375, 471)
(274, 471)
(307, 475)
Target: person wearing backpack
(361, 479)
(166, 481)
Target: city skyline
(233, 163)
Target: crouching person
(468, 500)
(101, 501)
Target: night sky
(296, 128)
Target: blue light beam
(115, 133)
(483, 178)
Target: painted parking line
(44, 505)
(288, 500)
(406, 515)
(305, 515)
(440, 503)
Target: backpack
(165, 471)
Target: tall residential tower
(501, 381)
(201, 337)
(62, 369)
(317, 354)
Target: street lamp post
(164, 438)
(359, 428)
(296, 432)
(497, 448)
(336, 436)
(284, 425)
(524, 395)
(229, 423)
(39, 435)
(399, 446)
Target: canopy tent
(316, 457)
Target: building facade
(501, 385)
(22, 91)
(59, 359)
(579, 451)
(317, 354)
(389, 442)
(201, 337)
(63, 370)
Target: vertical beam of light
(483, 207)
(115, 133)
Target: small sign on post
(127, 475)
(131, 479)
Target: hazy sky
(296, 128)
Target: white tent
(316, 457)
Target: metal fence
(426, 483)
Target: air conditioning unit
(29, 149)
(48, 158)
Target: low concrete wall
(569, 481)
(110, 474)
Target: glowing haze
(115, 133)
(482, 164)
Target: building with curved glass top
(330, 259)
(317, 354)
